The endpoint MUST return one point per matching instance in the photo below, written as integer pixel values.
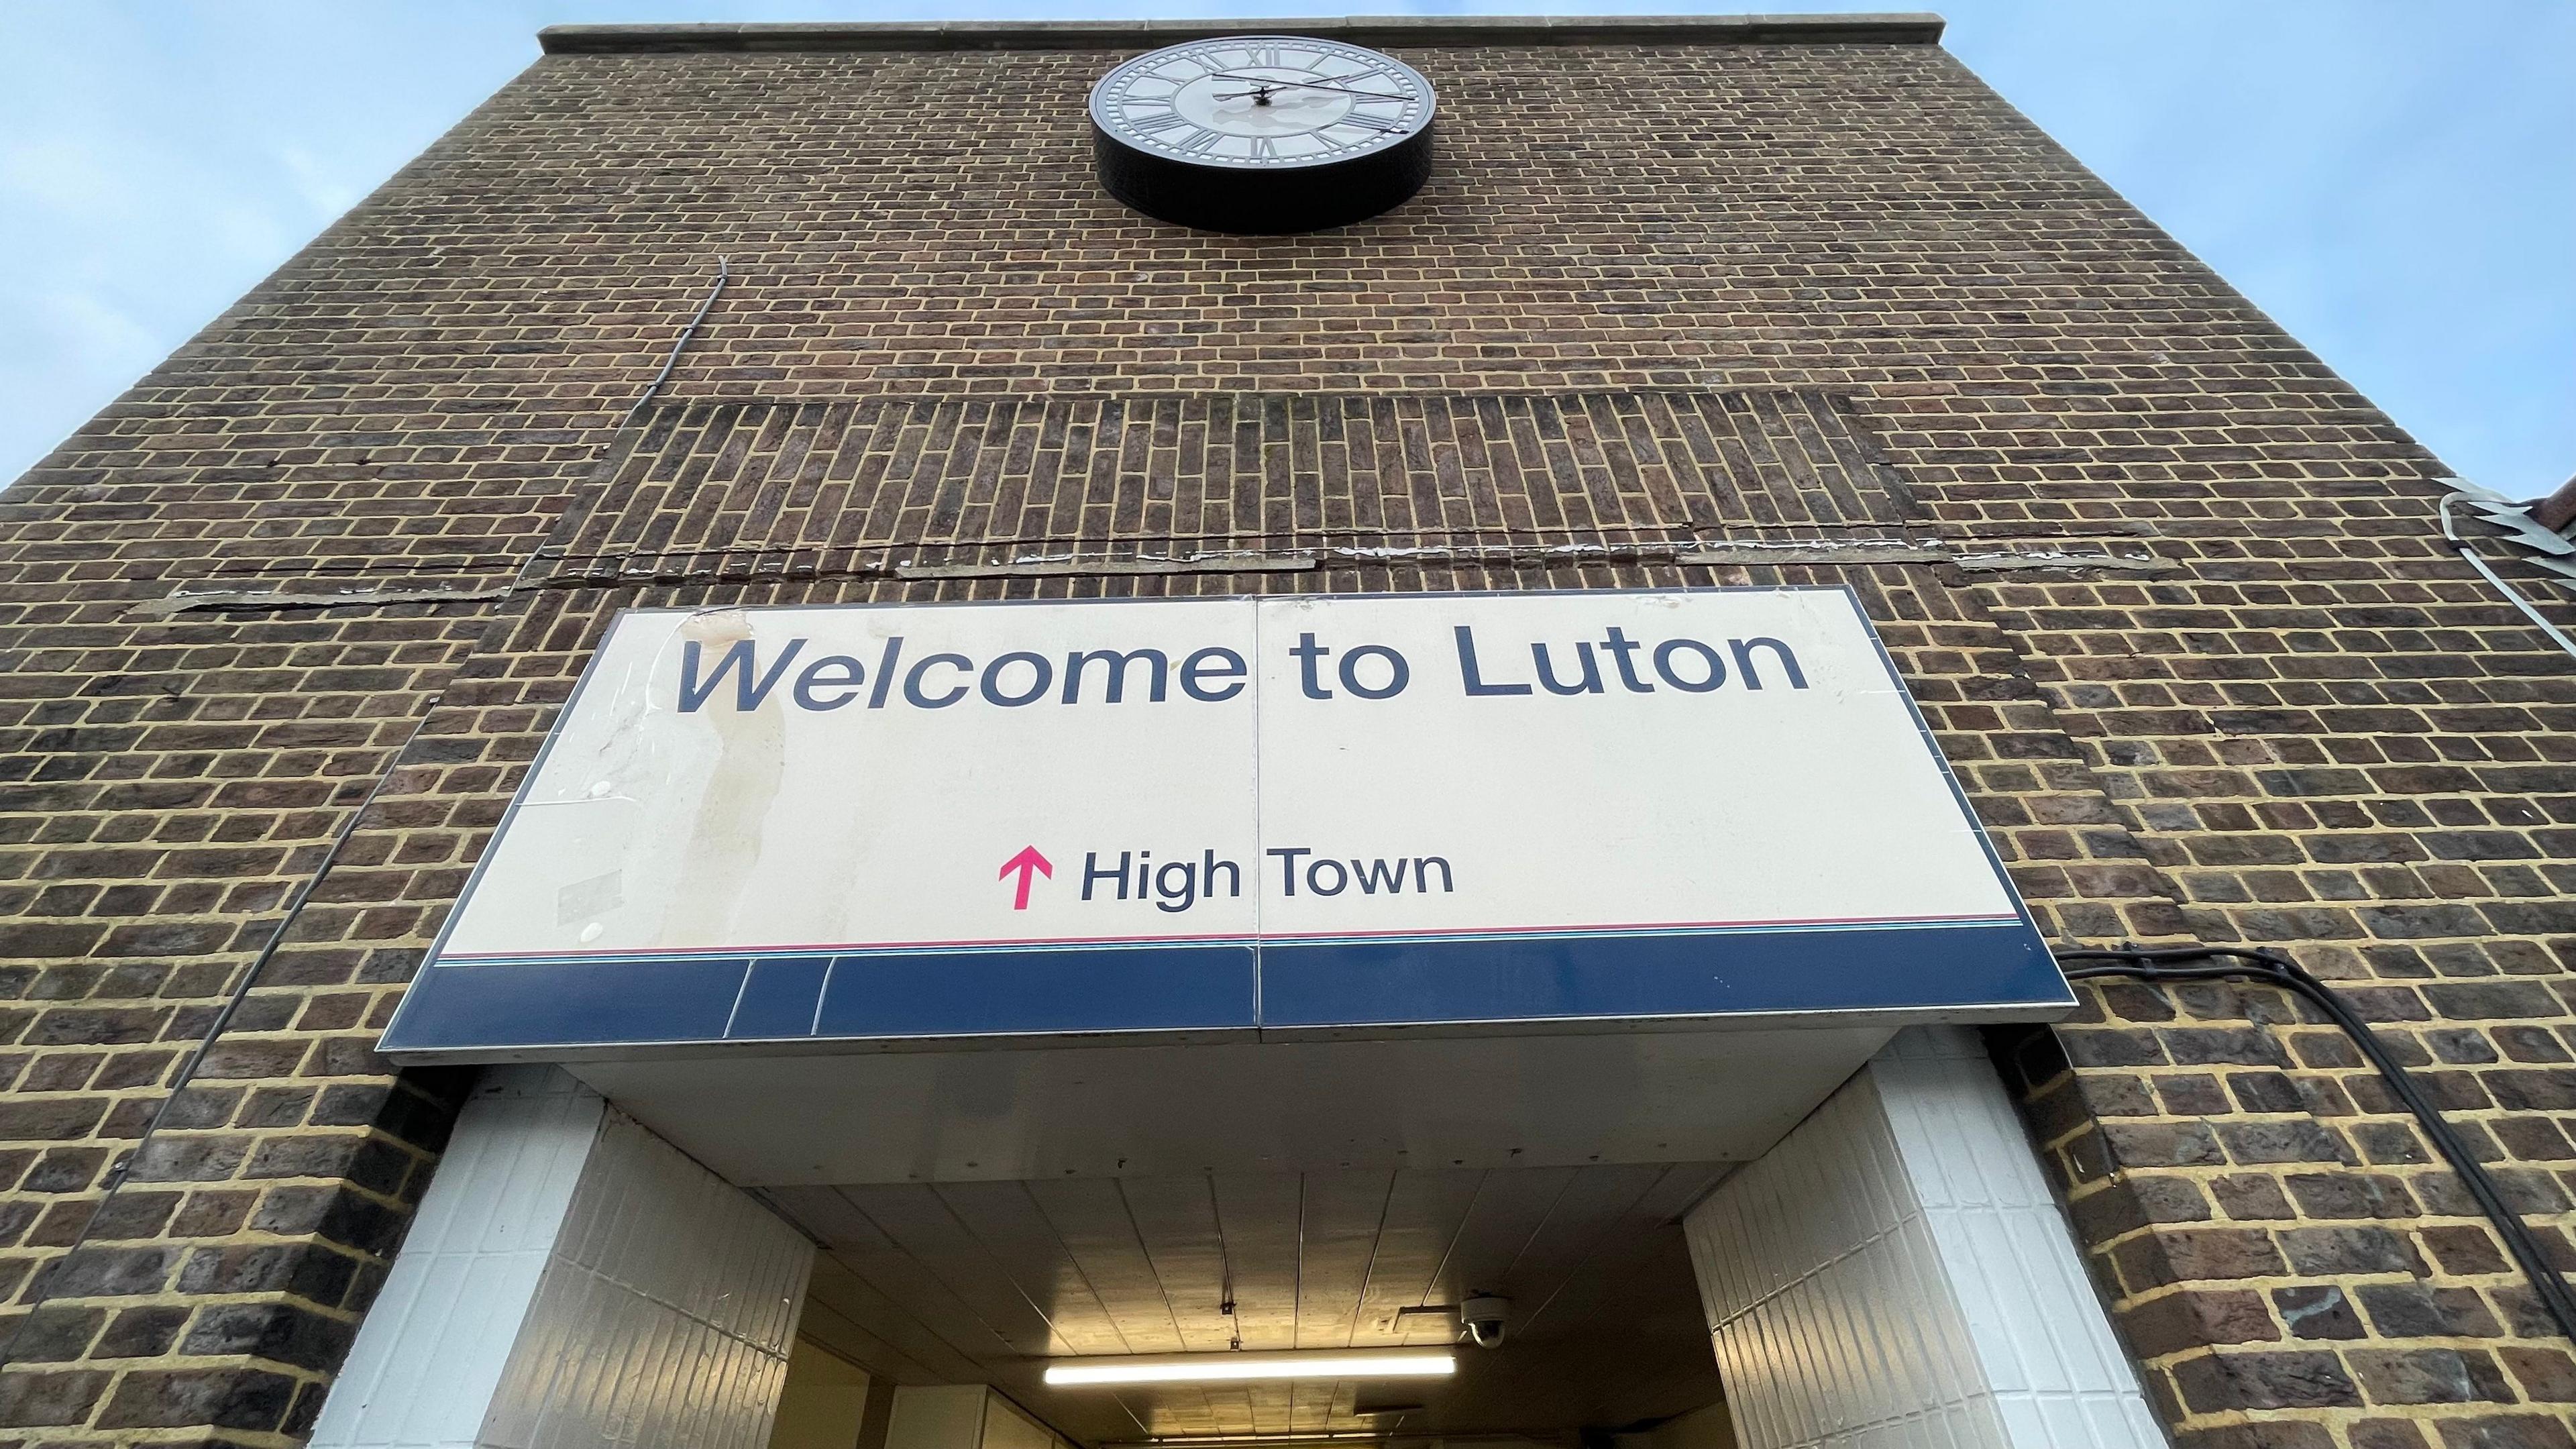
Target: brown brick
(2546, 1375)
(2313, 729)
(2325, 1251)
(64, 1396)
(2177, 1321)
(140, 1333)
(223, 1398)
(44, 1120)
(2418, 1310)
(2230, 1381)
(2387, 1434)
(2505, 1431)
(2428, 1376)
(55, 1333)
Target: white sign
(1463, 798)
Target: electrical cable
(723, 275)
(294, 906)
(2531, 611)
(2271, 968)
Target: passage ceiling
(955, 1282)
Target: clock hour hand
(1268, 81)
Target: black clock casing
(1262, 134)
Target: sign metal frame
(434, 1021)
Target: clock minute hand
(1308, 85)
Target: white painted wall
(937, 1416)
(572, 1280)
(824, 1402)
(963, 1416)
(1896, 1275)
(1006, 1427)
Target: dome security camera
(1485, 1316)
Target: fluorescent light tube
(1209, 1368)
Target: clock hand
(1309, 85)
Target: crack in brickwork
(2321, 732)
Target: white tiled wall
(1895, 1275)
(665, 1315)
(431, 1353)
(2058, 1374)
(573, 1280)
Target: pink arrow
(1028, 863)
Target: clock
(1262, 133)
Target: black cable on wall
(2271, 968)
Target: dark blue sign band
(1714, 974)
(643, 1000)
(615, 1000)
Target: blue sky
(2394, 182)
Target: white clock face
(1257, 101)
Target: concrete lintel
(1371, 30)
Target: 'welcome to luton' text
(745, 677)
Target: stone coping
(1371, 30)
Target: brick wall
(2305, 725)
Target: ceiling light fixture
(1210, 1368)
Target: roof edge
(1376, 30)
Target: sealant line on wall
(1705, 555)
(213, 601)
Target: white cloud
(70, 177)
(326, 186)
(93, 336)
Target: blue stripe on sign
(1076, 989)
(615, 1000)
(1349, 983)
(570, 1003)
